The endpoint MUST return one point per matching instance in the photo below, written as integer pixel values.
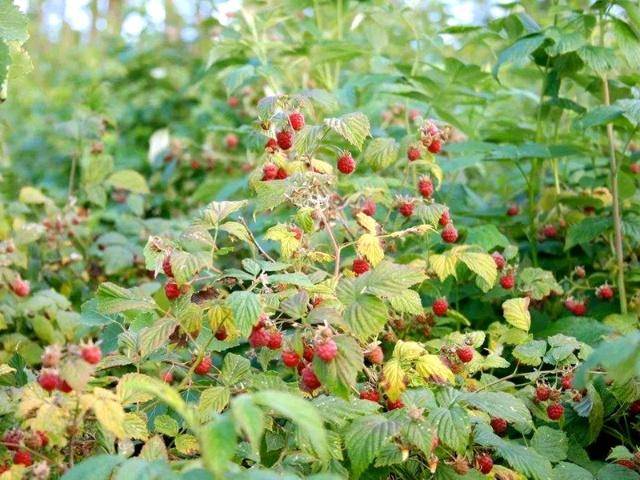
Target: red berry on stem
(394, 404)
(542, 393)
(508, 281)
(425, 187)
(48, 380)
(465, 354)
(499, 425)
(63, 386)
(635, 168)
(440, 307)
(346, 163)
(550, 231)
(281, 174)
(166, 266)
(370, 394)
(309, 378)
(579, 309)
(167, 377)
(22, 457)
(375, 355)
(445, 218)
(204, 366)
(308, 353)
(499, 259)
(296, 120)
(91, 354)
(625, 462)
(555, 411)
(435, 146)
(405, 208)
(269, 171)
(12, 438)
(567, 382)
(604, 292)
(275, 340)
(290, 358)
(369, 207)
(634, 408)
(233, 102)
(413, 154)
(221, 333)
(259, 337)
(284, 138)
(360, 266)
(172, 290)
(484, 463)
(449, 233)
(231, 141)
(20, 287)
(513, 210)
(326, 350)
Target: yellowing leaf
(154, 449)
(407, 351)
(320, 257)
(516, 312)
(430, 367)
(6, 369)
(320, 166)
(393, 379)
(288, 241)
(108, 410)
(31, 195)
(368, 246)
(135, 426)
(367, 222)
(483, 265)
(187, 444)
(444, 264)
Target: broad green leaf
(550, 443)
(381, 152)
(246, 309)
(391, 279)
(339, 375)
(453, 426)
(364, 440)
(483, 265)
(518, 52)
(353, 127)
(249, 418)
(115, 299)
(586, 230)
(128, 180)
(537, 282)
(218, 443)
(365, 315)
(99, 467)
(503, 405)
(530, 353)
(157, 335)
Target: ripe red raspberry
(22, 457)
(63, 386)
(281, 174)
(634, 408)
(231, 141)
(513, 210)
(550, 231)
(204, 366)
(413, 154)
(625, 462)
(375, 355)
(425, 187)
(12, 438)
(271, 145)
(269, 172)
(370, 394)
(465, 354)
(508, 281)
(449, 233)
(484, 463)
(275, 340)
(580, 271)
(605, 292)
(393, 405)
(309, 379)
(308, 353)
(297, 231)
(555, 411)
(326, 350)
(36, 440)
(542, 393)
(360, 266)
(445, 218)
(440, 306)
(499, 425)
(284, 138)
(91, 354)
(167, 377)
(233, 102)
(579, 309)
(259, 337)
(499, 259)
(635, 168)
(290, 358)
(346, 163)
(435, 146)
(221, 333)
(166, 266)
(405, 208)
(20, 287)
(369, 207)
(296, 120)
(567, 382)
(172, 290)
(48, 379)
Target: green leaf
(569, 471)
(408, 301)
(157, 335)
(600, 59)
(365, 315)
(364, 440)
(487, 237)
(530, 353)
(353, 127)
(214, 213)
(339, 375)
(249, 418)
(616, 472)
(538, 283)
(213, 400)
(483, 265)
(586, 230)
(301, 412)
(627, 40)
(391, 279)
(453, 426)
(99, 467)
(518, 53)
(550, 443)
(598, 116)
(503, 405)
(165, 425)
(128, 180)
(114, 299)
(13, 24)
(246, 309)
(218, 441)
(381, 152)
(235, 369)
